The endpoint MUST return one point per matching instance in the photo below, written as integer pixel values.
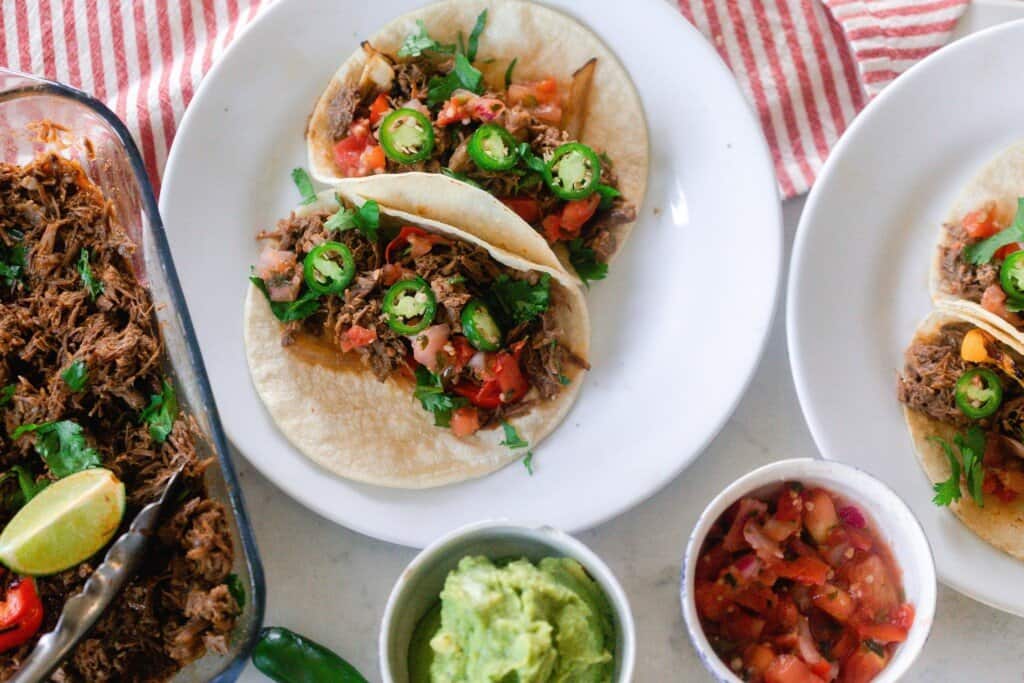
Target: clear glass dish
(94, 136)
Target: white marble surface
(331, 584)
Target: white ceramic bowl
(419, 586)
(889, 516)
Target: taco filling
(429, 108)
(479, 340)
(962, 377)
(980, 260)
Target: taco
(963, 396)
(399, 351)
(978, 268)
(508, 96)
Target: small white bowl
(889, 516)
(419, 587)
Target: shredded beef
(341, 110)
(958, 276)
(48, 321)
(928, 382)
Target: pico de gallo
(478, 338)
(981, 260)
(797, 587)
(428, 108)
(961, 376)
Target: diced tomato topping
(757, 658)
(862, 666)
(904, 617)
(379, 108)
(807, 570)
(465, 421)
(981, 223)
(391, 273)
(373, 158)
(882, 633)
(740, 626)
(871, 579)
(553, 228)
(790, 506)
(712, 600)
(578, 212)
(1004, 251)
(356, 337)
(348, 155)
(834, 601)
(505, 382)
(463, 351)
(820, 515)
(790, 669)
(527, 209)
(419, 239)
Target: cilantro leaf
(584, 260)
(417, 43)
(91, 284)
(463, 76)
(161, 412)
(62, 446)
(76, 375)
(6, 394)
(474, 36)
(288, 311)
(12, 263)
(508, 72)
(564, 380)
(235, 587)
(430, 393)
(28, 487)
(366, 219)
(528, 462)
(305, 185)
(512, 438)
(519, 301)
(608, 195)
(459, 176)
(984, 251)
(972, 449)
(949, 490)
(532, 161)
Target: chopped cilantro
(417, 43)
(984, 251)
(563, 380)
(508, 72)
(6, 394)
(474, 36)
(305, 185)
(430, 393)
(463, 76)
(288, 311)
(236, 589)
(949, 490)
(366, 219)
(62, 446)
(972, 448)
(528, 462)
(27, 485)
(12, 262)
(584, 260)
(518, 301)
(608, 195)
(512, 438)
(76, 375)
(161, 412)
(531, 160)
(91, 284)
(459, 176)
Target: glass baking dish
(100, 142)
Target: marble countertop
(331, 584)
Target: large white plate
(678, 326)
(858, 285)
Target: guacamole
(544, 623)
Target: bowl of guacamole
(503, 602)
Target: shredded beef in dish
(962, 278)
(178, 607)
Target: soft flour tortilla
(546, 43)
(342, 418)
(998, 523)
(1001, 182)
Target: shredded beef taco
(399, 351)
(507, 96)
(978, 269)
(963, 396)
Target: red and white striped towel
(808, 69)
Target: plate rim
(772, 226)
(800, 252)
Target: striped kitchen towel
(807, 68)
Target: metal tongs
(82, 610)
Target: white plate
(859, 280)
(678, 325)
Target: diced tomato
(834, 601)
(505, 383)
(757, 658)
(741, 626)
(527, 209)
(356, 337)
(712, 599)
(790, 669)
(1006, 250)
(872, 581)
(531, 94)
(846, 644)
(904, 616)
(391, 273)
(379, 108)
(406, 236)
(755, 597)
(552, 227)
(819, 514)
(779, 530)
(981, 223)
(882, 633)
(578, 212)
(807, 570)
(464, 105)
(549, 113)
(465, 421)
(348, 155)
(786, 614)
(790, 506)
(711, 563)
(745, 509)
(993, 300)
(862, 666)
(463, 351)
(373, 158)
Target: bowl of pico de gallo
(808, 571)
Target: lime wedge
(68, 522)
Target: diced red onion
(852, 517)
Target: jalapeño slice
(480, 327)
(406, 136)
(410, 306)
(1011, 276)
(329, 268)
(979, 393)
(493, 148)
(574, 171)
